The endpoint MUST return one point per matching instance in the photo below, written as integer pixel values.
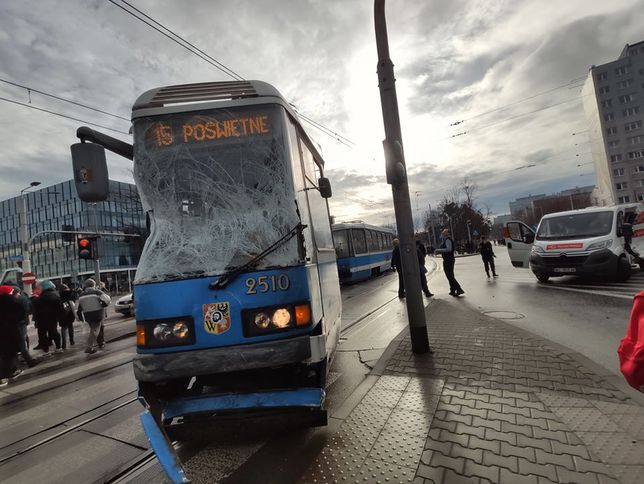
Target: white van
(603, 242)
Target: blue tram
(237, 291)
(363, 250)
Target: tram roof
(360, 225)
(183, 98)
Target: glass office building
(55, 256)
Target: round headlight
(180, 329)
(281, 318)
(262, 320)
(162, 331)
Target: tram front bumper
(156, 367)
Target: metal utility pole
(97, 263)
(397, 178)
(432, 239)
(24, 234)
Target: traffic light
(86, 248)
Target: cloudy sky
(510, 70)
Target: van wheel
(543, 279)
(623, 270)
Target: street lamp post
(23, 233)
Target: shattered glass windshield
(219, 189)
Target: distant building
(502, 219)
(531, 209)
(55, 256)
(613, 97)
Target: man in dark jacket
(447, 250)
(11, 313)
(396, 264)
(47, 310)
(25, 302)
(68, 316)
(487, 254)
(91, 308)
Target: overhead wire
(569, 84)
(70, 101)
(213, 62)
(63, 115)
(178, 39)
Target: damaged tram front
(237, 294)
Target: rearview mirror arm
(117, 146)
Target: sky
(511, 71)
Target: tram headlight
(262, 320)
(173, 332)
(281, 318)
(267, 320)
(162, 332)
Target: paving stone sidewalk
(492, 404)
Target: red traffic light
(84, 243)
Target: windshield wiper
(232, 274)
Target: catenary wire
(571, 83)
(31, 89)
(228, 70)
(62, 115)
(203, 57)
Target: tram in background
(237, 292)
(363, 251)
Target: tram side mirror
(324, 185)
(90, 172)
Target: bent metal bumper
(300, 398)
(155, 367)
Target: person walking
(487, 254)
(447, 250)
(91, 308)
(68, 315)
(11, 313)
(47, 311)
(25, 302)
(421, 252)
(396, 264)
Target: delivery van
(601, 242)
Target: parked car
(125, 305)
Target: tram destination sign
(206, 128)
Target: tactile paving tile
(585, 419)
(432, 386)
(631, 424)
(610, 408)
(408, 422)
(400, 449)
(351, 442)
(364, 415)
(381, 472)
(419, 402)
(628, 474)
(613, 447)
(553, 400)
(382, 398)
(389, 382)
(333, 467)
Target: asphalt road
(587, 316)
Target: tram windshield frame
(218, 185)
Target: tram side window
(317, 204)
(359, 241)
(341, 241)
(373, 241)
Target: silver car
(125, 305)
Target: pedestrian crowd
(53, 308)
(447, 251)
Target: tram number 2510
(264, 284)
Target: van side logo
(216, 317)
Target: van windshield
(576, 226)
